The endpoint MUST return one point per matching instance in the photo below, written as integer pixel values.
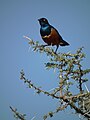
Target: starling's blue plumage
(50, 35)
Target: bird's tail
(64, 43)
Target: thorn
(33, 118)
(29, 49)
(86, 88)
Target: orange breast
(53, 38)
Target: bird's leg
(56, 49)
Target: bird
(50, 35)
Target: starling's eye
(44, 20)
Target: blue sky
(18, 18)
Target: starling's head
(43, 21)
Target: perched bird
(50, 35)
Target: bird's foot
(55, 53)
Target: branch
(37, 47)
(51, 114)
(66, 99)
(69, 66)
(39, 90)
(17, 114)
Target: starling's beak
(38, 19)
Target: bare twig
(17, 114)
(39, 90)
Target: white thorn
(86, 87)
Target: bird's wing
(62, 42)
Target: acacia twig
(17, 114)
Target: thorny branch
(17, 114)
(70, 71)
(80, 79)
(68, 100)
(50, 114)
(61, 81)
(39, 90)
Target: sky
(19, 18)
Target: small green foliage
(45, 117)
(51, 65)
(22, 74)
(38, 91)
(50, 114)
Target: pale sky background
(18, 18)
